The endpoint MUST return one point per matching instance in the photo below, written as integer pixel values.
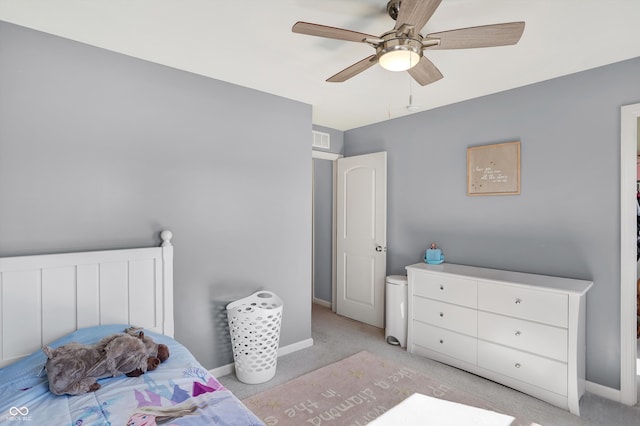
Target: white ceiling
(250, 43)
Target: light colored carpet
(336, 337)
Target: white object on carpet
(419, 409)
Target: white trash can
(254, 326)
(396, 310)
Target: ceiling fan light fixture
(399, 60)
(399, 53)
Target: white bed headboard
(45, 297)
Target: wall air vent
(321, 140)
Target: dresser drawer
(445, 315)
(521, 302)
(446, 288)
(444, 341)
(528, 336)
(541, 372)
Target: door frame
(323, 155)
(629, 115)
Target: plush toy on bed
(156, 353)
(74, 368)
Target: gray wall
(566, 222)
(99, 150)
(323, 215)
(322, 228)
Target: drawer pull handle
(441, 314)
(441, 341)
(517, 365)
(441, 287)
(518, 301)
(518, 333)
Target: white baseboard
(282, 351)
(322, 303)
(222, 371)
(603, 391)
(294, 347)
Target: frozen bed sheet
(179, 392)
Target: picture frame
(494, 169)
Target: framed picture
(494, 169)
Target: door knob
(378, 247)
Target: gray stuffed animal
(74, 368)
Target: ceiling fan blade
(416, 13)
(485, 36)
(425, 72)
(329, 32)
(353, 70)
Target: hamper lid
(397, 279)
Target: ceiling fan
(402, 48)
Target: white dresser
(525, 331)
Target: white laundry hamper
(254, 325)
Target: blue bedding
(179, 392)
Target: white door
(361, 240)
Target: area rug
(353, 391)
